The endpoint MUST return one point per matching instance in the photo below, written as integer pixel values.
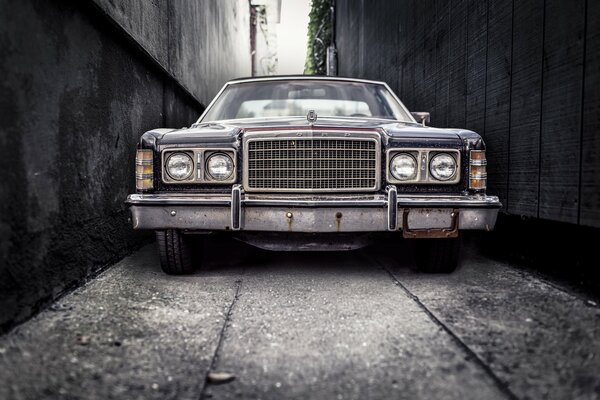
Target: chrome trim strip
(303, 78)
(379, 200)
(302, 219)
(236, 207)
(478, 163)
(392, 208)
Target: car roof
(301, 77)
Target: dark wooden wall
(525, 74)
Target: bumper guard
(417, 216)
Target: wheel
(437, 256)
(176, 253)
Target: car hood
(229, 131)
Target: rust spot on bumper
(450, 232)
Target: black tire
(176, 254)
(437, 256)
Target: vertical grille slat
(312, 164)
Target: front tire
(175, 251)
(437, 256)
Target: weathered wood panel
(440, 111)
(528, 34)
(497, 94)
(525, 74)
(561, 110)
(418, 101)
(590, 171)
(457, 49)
(370, 39)
(476, 64)
(392, 44)
(429, 56)
(406, 52)
(348, 37)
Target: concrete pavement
(348, 325)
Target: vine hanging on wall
(319, 37)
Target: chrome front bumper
(319, 213)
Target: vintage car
(311, 163)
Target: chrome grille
(312, 164)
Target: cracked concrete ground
(349, 325)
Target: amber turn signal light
(477, 170)
(144, 170)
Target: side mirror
(422, 117)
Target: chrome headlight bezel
(183, 158)
(423, 156)
(406, 156)
(211, 174)
(199, 175)
(435, 172)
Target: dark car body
(311, 181)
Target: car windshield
(294, 98)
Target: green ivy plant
(319, 37)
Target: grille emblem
(311, 117)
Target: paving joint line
(485, 367)
(215, 357)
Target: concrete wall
(79, 83)
(192, 40)
(523, 73)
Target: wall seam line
(541, 119)
(466, 97)
(581, 111)
(510, 88)
(485, 81)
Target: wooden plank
(561, 110)
(418, 102)
(476, 64)
(429, 56)
(497, 95)
(405, 51)
(349, 37)
(526, 107)
(457, 87)
(408, 60)
(590, 166)
(439, 115)
(393, 17)
(374, 34)
(343, 37)
(360, 29)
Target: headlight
(403, 167)
(219, 166)
(443, 167)
(179, 166)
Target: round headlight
(219, 166)
(403, 167)
(443, 167)
(179, 166)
